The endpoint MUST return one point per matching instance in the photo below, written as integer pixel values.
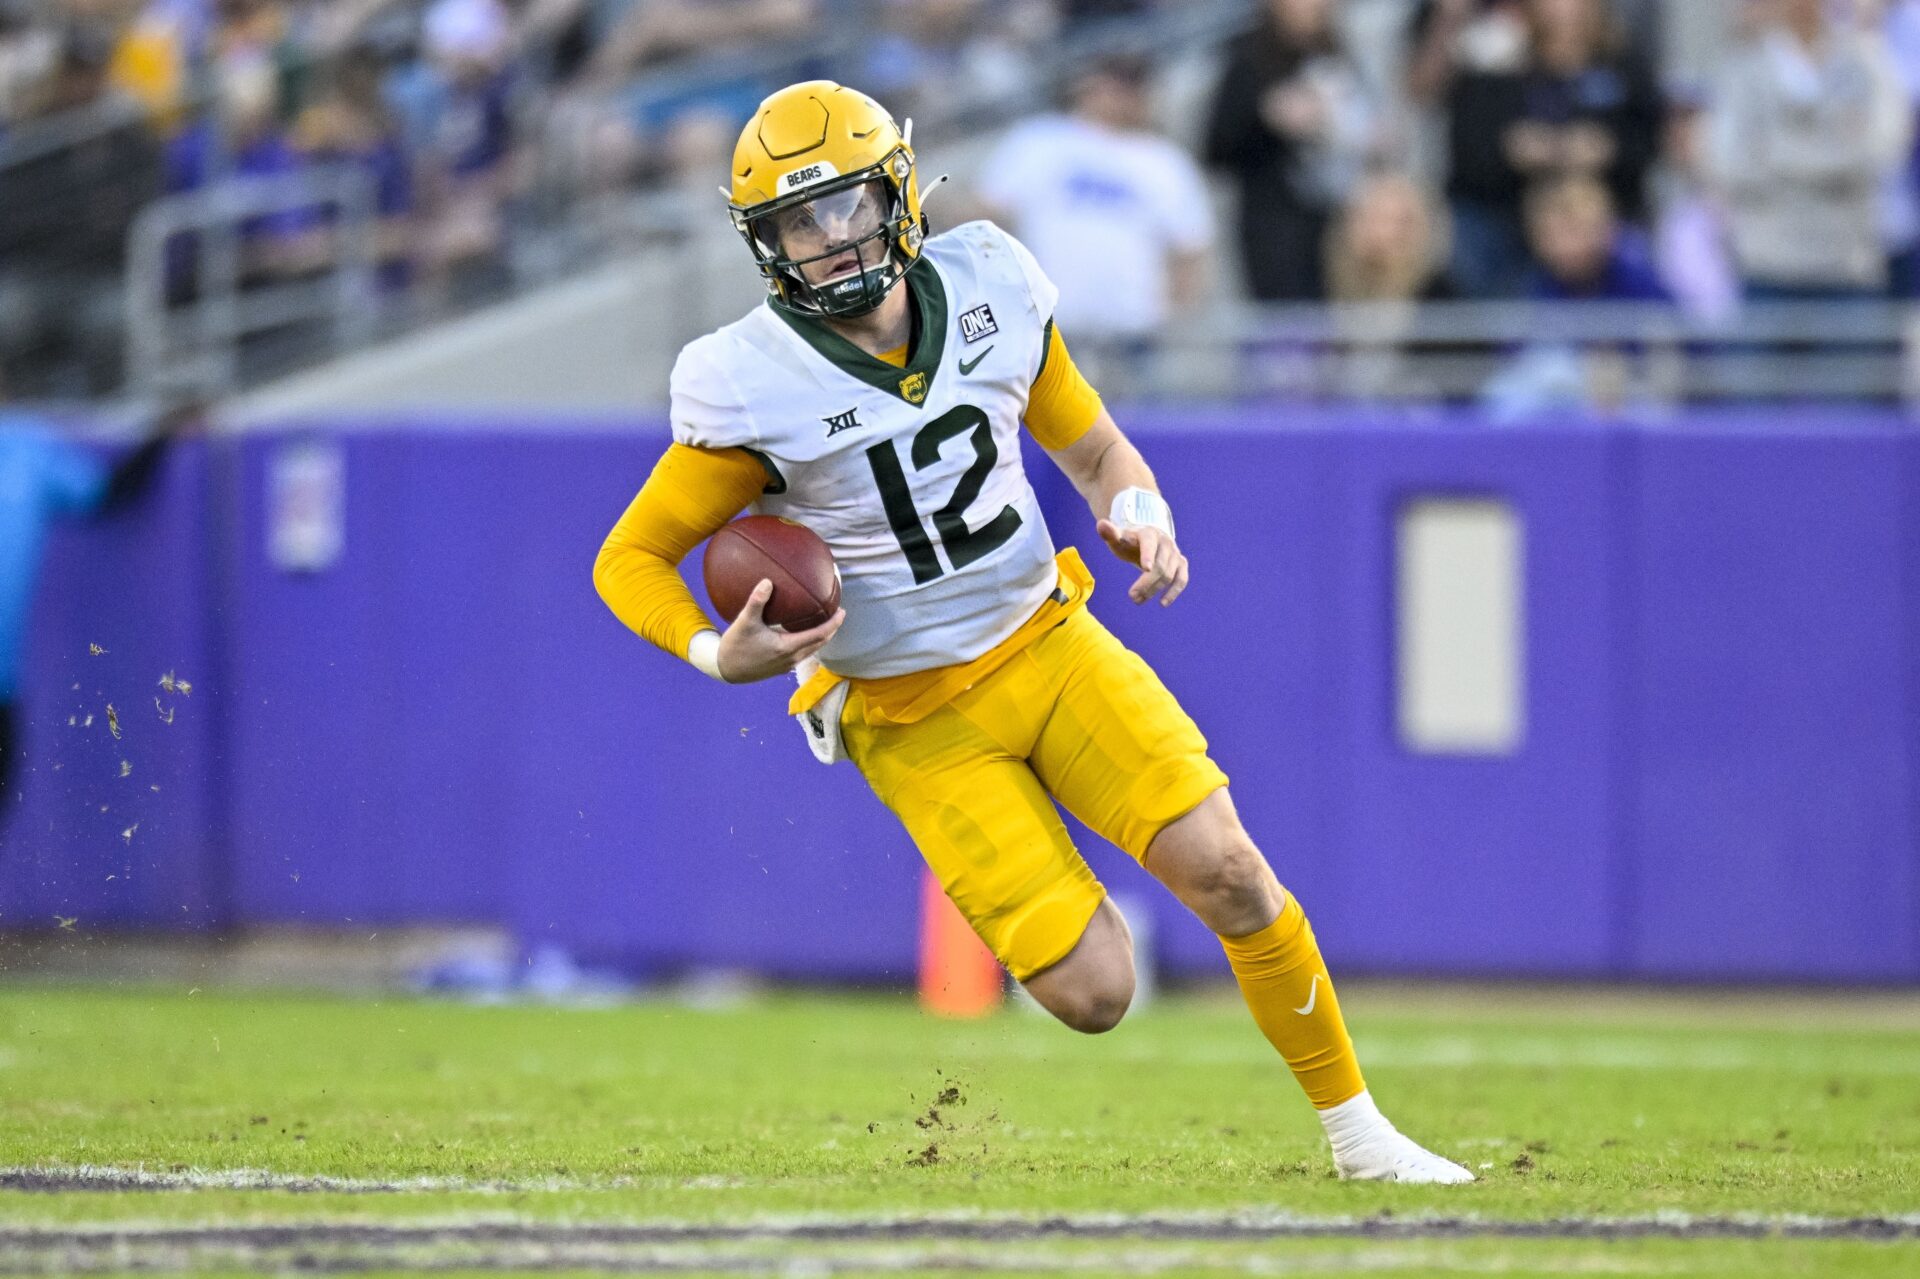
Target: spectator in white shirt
(1117, 215)
(1808, 124)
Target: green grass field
(1614, 1133)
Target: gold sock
(1287, 989)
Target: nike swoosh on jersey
(1313, 993)
(967, 367)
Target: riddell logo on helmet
(819, 171)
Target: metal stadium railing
(192, 309)
(1522, 354)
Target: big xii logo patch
(842, 421)
(913, 387)
(977, 323)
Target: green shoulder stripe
(911, 383)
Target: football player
(877, 398)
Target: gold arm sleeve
(691, 493)
(1061, 405)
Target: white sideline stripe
(1457, 1052)
(1627, 1054)
(775, 1225)
(136, 1178)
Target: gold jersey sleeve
(1062, 404)
(690, 495)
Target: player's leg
(993, 839)
(1211, 864)
(1120, 753)
(1091, 989)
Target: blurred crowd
(1516, 149)
(1524, 151)
(1571, 169)
(458, 116)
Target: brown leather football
(806, 585)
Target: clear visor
(824, 225)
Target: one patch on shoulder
(978, 323)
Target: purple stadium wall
(1718, 777)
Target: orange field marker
(959, 977)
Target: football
(806, 583)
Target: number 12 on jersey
(964, 545)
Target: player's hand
(1162, 566)
(752, 650)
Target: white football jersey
(911, 475)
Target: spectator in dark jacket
(1580, 104)
(1581, 250)
(1451, 38)
(1584, 255)
(1293, 122)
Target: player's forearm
(1122, 469)
(646, 592)
(691, 493)
(1104, 464)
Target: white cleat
(1393, 1156)
(1368, 1148)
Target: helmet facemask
(862, 218)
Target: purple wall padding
(1717, 780)
(1771, 704)
(139, 585)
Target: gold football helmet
(823, 178)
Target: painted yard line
(1210, 1228)
(1460, 1052)
(59, 1178)
(1057, 1257)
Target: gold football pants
(1074, 717)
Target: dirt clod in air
(926, 1158)
(1522, 1165)
(949, 1095)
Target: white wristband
(703, 650)
(1141, 508)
